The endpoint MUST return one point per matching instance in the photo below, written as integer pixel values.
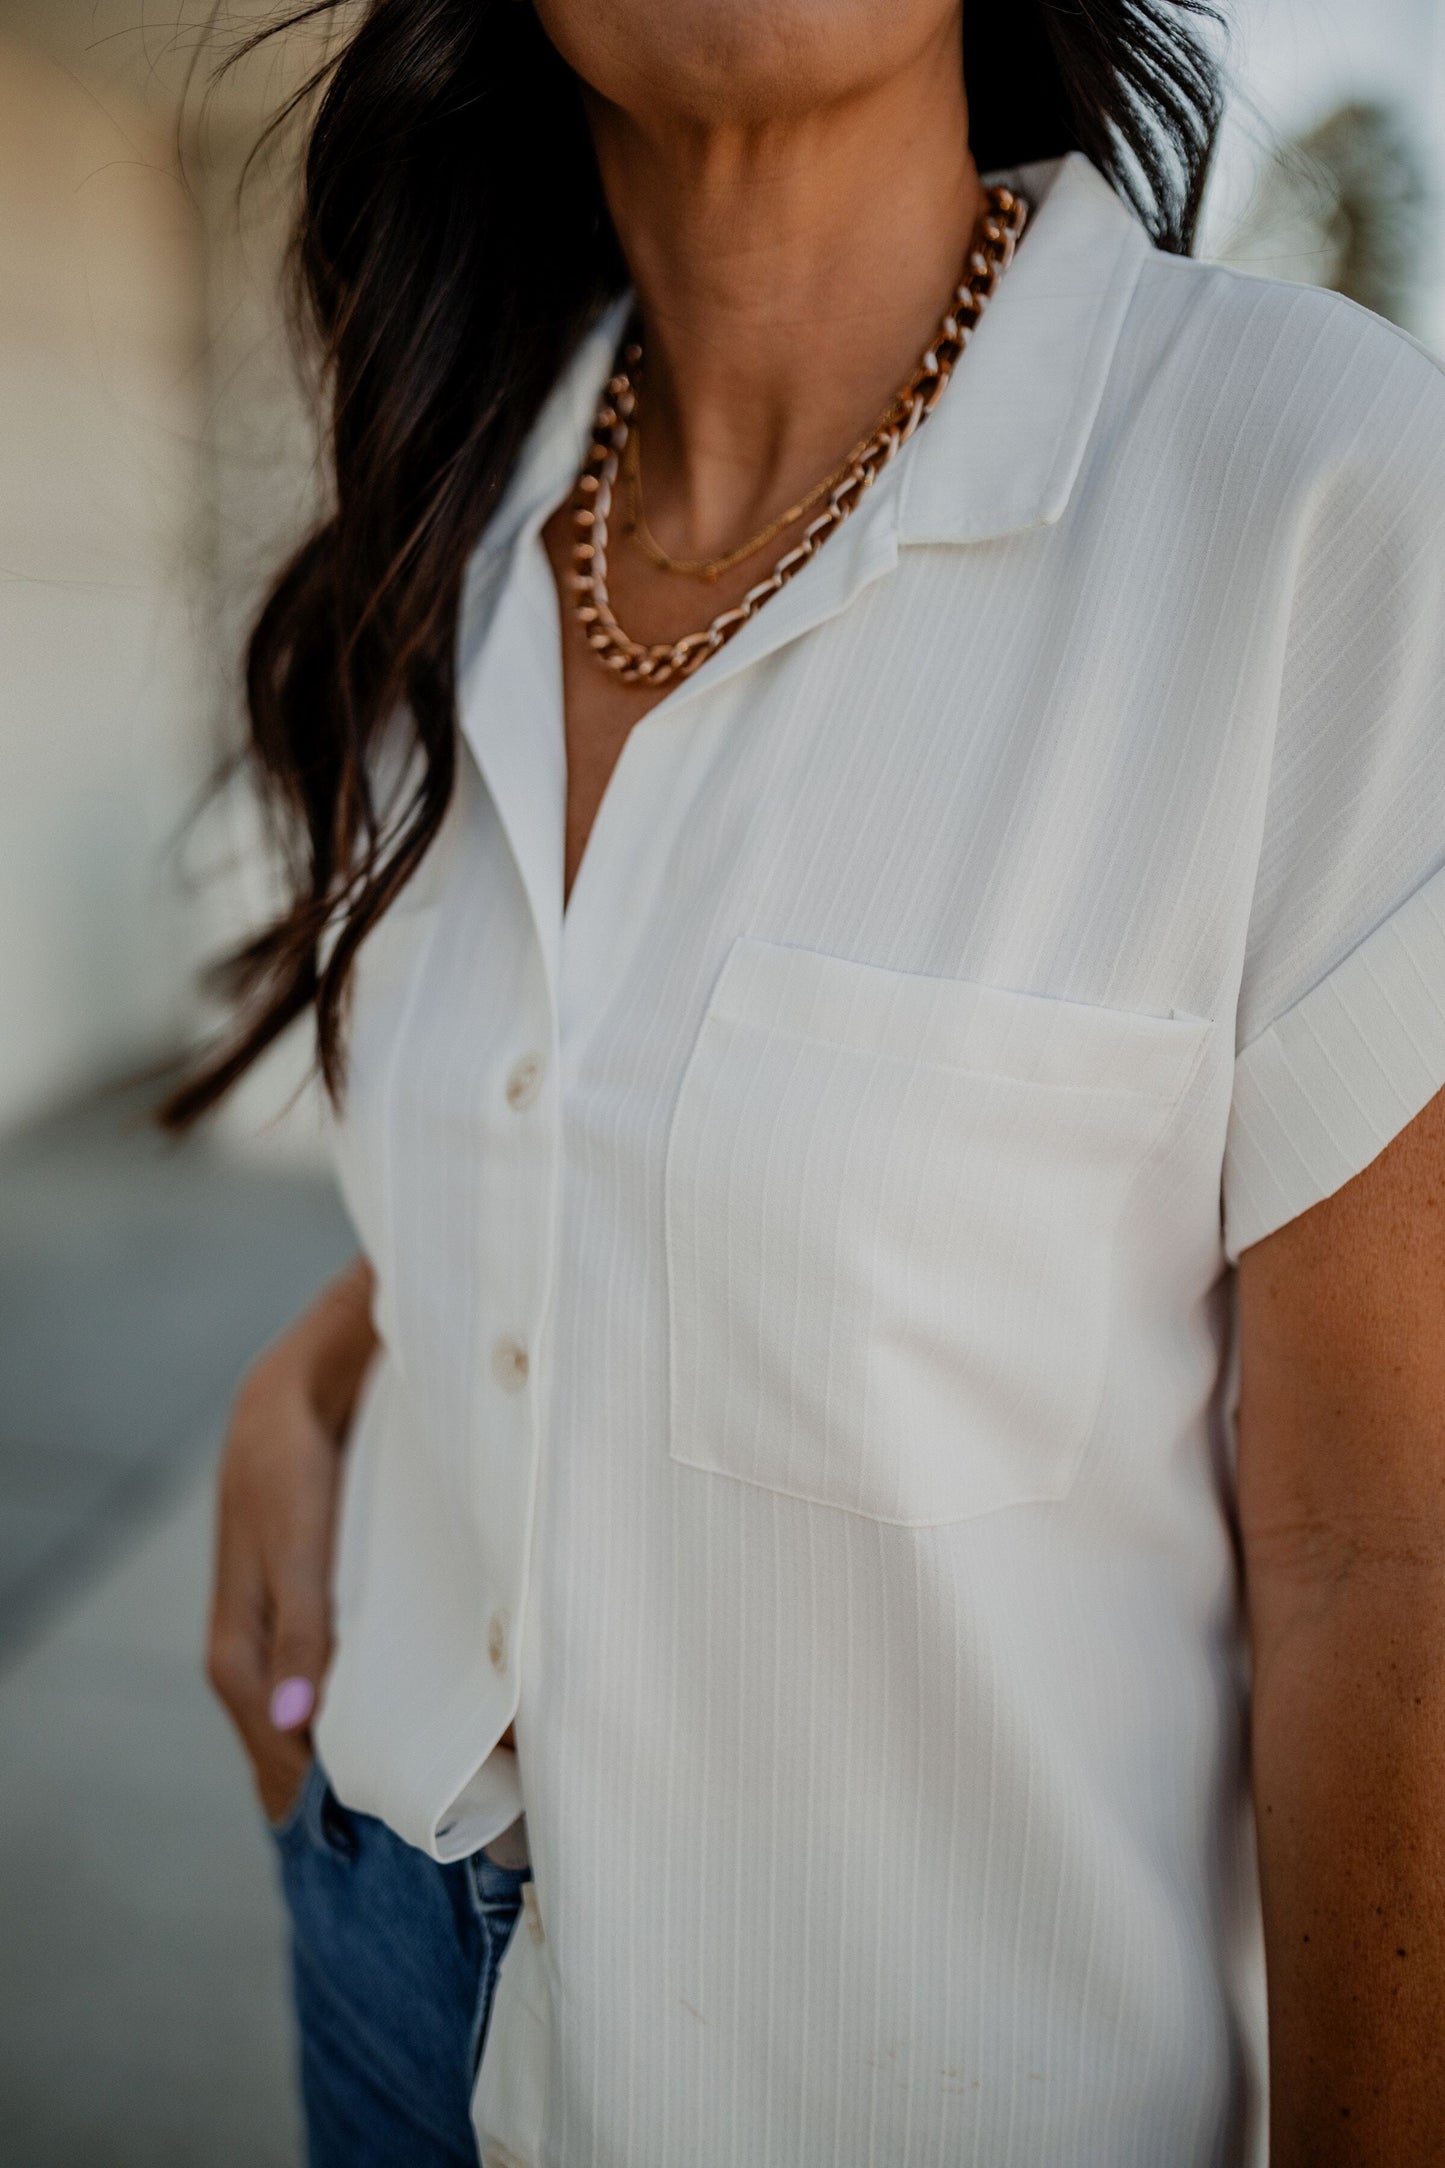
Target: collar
(1003, 447)
(1005, 443)
(999, 453)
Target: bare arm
(280, 1480)
(1342, 1505)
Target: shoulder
(1296, 393)
(1281, 343)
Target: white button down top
(805, 1269)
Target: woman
(829, 1224)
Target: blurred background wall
(155, 459)
(154, 454)
(102, 735)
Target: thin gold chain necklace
(637, 662)
(712, 568)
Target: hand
(270, 1631)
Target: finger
(279, 1757)
(298, 1653)
(280, 1775)
(238, 1641)
(300, 1642)
(239, 1667)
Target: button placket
(520, 1110)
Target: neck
(788, 275)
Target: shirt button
(509, 1364)
(525, 1082)
(497, 1642)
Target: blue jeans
(394, 1965)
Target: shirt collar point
(1008, 439)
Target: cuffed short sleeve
(1327, 1086)
(1341, 1017)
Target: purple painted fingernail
(292, 1703)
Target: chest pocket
(891, 1208)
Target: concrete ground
(143, 2013)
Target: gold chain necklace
(662, 662)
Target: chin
(748, 61)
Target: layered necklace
(613, 453)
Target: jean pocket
(315, 1819)
(499, 1896)
(496, 1892)
(289, 1824)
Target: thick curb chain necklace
(639, 662)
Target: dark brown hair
(452, 245)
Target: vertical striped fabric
(805, 1268)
